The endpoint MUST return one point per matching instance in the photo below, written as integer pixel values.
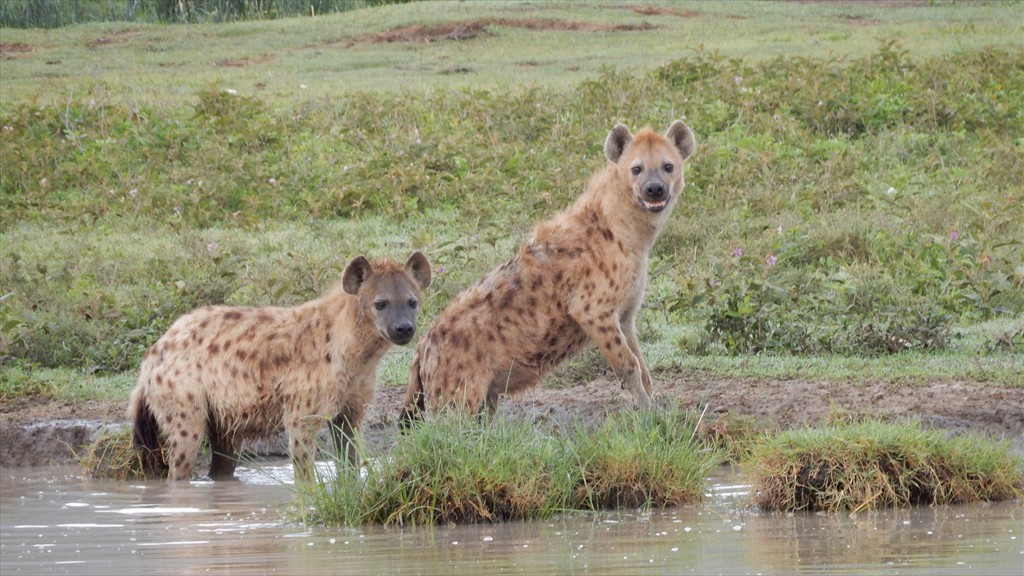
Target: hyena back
(581, 278)
(233, 373)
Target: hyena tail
(414, 399)
(146, 436)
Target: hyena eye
(413, 304)
(380, 304)
(636, 170)
(668, 167)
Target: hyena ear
(617, 140)
(679, 134)
(357, 272)
(419, 268)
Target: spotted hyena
(580, 278)
(234, 373)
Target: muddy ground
(38, 431)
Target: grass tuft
(112, 455)
(641, 459)
(864, 464)
(469, 470)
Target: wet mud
(39, 431)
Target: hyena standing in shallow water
(236, 373)
(580, 278)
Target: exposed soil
(469, 29)
(115, 37)
(665, 11)
(11, 49)
(39, 431)
(243, 62)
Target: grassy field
(508, 45)
(853, 209)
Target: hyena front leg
(605, 330)
(302, 445)
(629, 331)
(343, 431)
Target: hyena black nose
(654, 190)
(403, 331)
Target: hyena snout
(402, 331)
(654, 195)
(396, 322)
(655, 190)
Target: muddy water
(54, 522)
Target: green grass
(58, 13)
(311, 58)
(62, 384)
(471, 470)
(852, 210)
(866, 464)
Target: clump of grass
(470, 470)
(734, 434)
(866, 464)
(112, 455)
(640, 459)
(448, 470)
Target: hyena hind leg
(223, 457)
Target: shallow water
(52, 521)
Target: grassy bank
(472, 470)
(475, 470)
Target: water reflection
(53, 522)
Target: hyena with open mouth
(580, 278)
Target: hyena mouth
(654, 205)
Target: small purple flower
(954, 235)
(212, 247)
(441, 269)
(737, 252)
(771, 260)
